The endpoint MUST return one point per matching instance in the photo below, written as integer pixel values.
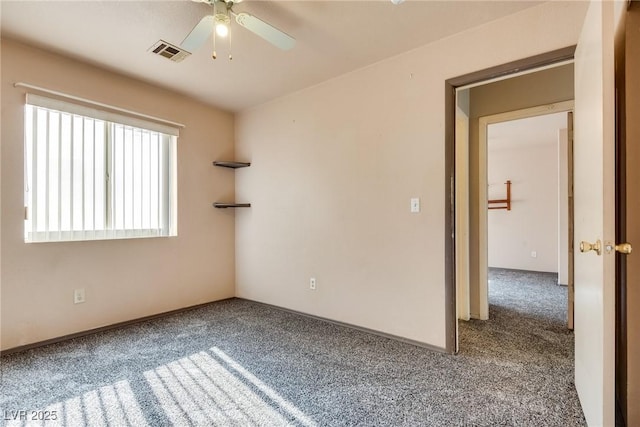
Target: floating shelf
(232, 165)
(231, 205)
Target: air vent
(169, 51)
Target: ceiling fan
(219, 22)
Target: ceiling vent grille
(169, 51)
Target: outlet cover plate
(78, 296)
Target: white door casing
(483, 128)
(463, 297)
(594, 204)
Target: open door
(594, 221)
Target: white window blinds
(93, 174)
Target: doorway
(594, 190)
(527, 225)
(542, 91)
(458, 266)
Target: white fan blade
(266, 31)
(200, 33)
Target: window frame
(167, 175)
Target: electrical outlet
(78, 296)
(312, 283)
(534, 254)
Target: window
(93, 174)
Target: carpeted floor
(240, 363)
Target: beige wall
(124, 279)
(532, 223)
(530, 90)
(333, 169)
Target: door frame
(626, 226)
(509, 69)
(483, 151)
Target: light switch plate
(415, 205)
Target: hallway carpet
(239, 363)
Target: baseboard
(193, 307)
(555, 273)
(105, 328)
(356, 327)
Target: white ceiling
(539, 130)
(333, 38)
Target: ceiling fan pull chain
(214, 55)
(230, 55)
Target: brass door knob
(623, 248)
(586, 247)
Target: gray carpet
(240, 363)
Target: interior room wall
(532, 223)
(123, 279)
(334, 167)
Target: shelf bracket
(504, 203)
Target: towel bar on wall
(505, 203)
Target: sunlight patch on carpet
(199, 390)
(110, 405)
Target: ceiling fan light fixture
(222, 29)
(217, 24)
(221, 20)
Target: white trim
(484, 122)
(131, 115)
(463, 304)
(81, 236)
